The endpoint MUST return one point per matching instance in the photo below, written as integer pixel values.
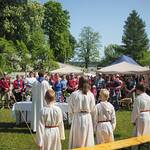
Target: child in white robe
(50, 129)
(105, 119)
(81, 109)
(141, 112)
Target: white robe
(50, 138)
(141, 119)
(81, 133)
(38, 100)
(104, 130)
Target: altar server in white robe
(39, 88)
(141, 112)
(105, 119)
(81, 109)
(50, 129)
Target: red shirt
(19, 84)
(4, 84)
(73, 84)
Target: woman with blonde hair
(50, 130)
(105, 119)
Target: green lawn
(19, 138)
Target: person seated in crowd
(4, 89)
(50, 130)
(72, 83)
(18, 88)
(141, 112)
(58, 87)
(105, 119)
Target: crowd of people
(119, 86)
(92, 102)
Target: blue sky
(104, 16)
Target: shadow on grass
(117, 136)
(12, 128)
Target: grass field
(19, 138)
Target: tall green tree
(42, 55)
(56, 25)
(135, 38)
(112, 52)
(3, 5)
(88, 46)
(145, 60)
(24, 55)
(8, 56)
(20, 20)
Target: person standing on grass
(105, 119)
(52, 80)
(100, 84)
(130, 88)
(58, 88)
(50, 129)
(72, 83)
(64, 83)
(18, 88)
(5, 90)
(29, 81)
(141, 112)
(81, 109)
(39, 88)
(117, 91)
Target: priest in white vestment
(81, 109)
(39, 88)
(141, 112)
(50, 130)
(105, 119)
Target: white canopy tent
(67, 69)
(93, 74)
(123, 68)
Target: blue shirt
(64, 83)
(100, 83)
(58, 86)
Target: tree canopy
(88, 46)
(112, 52)
(21, 27)
(135, 39)
(36, 36)
(56, 26)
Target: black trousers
(18, 96)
